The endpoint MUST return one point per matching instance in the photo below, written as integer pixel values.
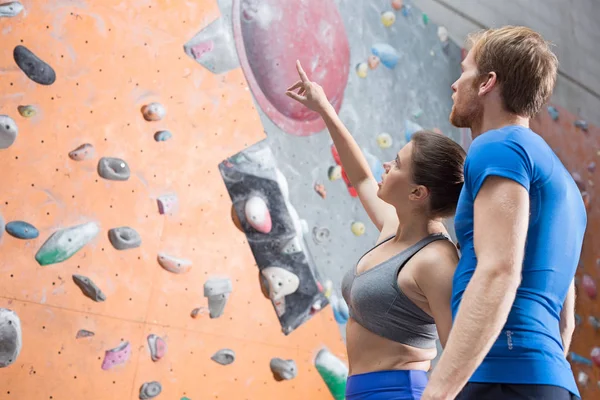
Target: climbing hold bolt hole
(32, 185)
(11, 275)
(48, 213)
(43, 327)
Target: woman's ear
(419, 193)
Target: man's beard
(469, 117)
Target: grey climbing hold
(283, 369)
(124, 237)
(553, 112)
(581, 124)
(153, 112)
(83, 152)
(158, 347)
(35, 69)
(10, 337)
(113, 169)
(22, 230)
(89, 288)
(217, 291)
(224, 357)
(11, 9)
(8, 131)
(82, 333)
(150, 390)
(162, 136)
(62, 244)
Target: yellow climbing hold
(358, 228)
(27, 111)
(328, 288)
(384, 140)
(361, 69)
(388, 18)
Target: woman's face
(397, 187)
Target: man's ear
(488, 84)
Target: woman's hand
(310, 94)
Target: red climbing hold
(338, 161)
(269, 37)
(589, 286)
(595, 356)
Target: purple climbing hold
(158, 347)
(82, 333)
(579, 181)
(118, 355)
(581, 124)
(591, 167)
(174, 264)
(83, 152)
(35, 69)
(167, 203)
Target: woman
(399, 291)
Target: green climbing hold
(62, 244)
(425, 19)
(334, 372)
(185, 398)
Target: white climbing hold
(8, 131)
(283, 369)
(167, 203)
(10, 337)
(217, 291)
(257, 214)
(281, 284)
(293, 246)
(174, 264)
(11, 9)
(442, 33)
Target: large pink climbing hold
(270, 36)
(118, 355)
(201, 48)
(595, 356)
(257, 214)
(589, 286)
(158, 347)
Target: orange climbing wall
(577, 149)
(112, 57)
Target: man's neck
(497, 120)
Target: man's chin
(458, 121)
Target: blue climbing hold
(553, 113)
(410, 128)
(577, 320)
(581, 124)
(388, 56)
(162, 136)
(375, 165)
(340, 309)
(22, 230)
(406, 10)
(576, 358)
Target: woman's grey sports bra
(376, 302)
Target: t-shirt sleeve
(504, 158)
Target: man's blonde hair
(524, 64)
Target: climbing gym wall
(169, 300)
(576, 143)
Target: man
(520, 223)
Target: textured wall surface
(111, 58)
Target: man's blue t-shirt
(529, 349)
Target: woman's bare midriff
(368, 352)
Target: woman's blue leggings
(386, 385)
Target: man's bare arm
(567, 318)
(501, 217)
